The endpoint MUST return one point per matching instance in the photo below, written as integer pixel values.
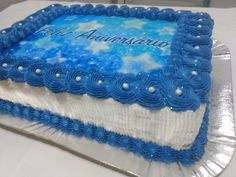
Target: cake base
(221, 134)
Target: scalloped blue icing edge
(148, 150)
(187, 70)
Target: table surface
(23, 157)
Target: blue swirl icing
(202, 51)
(187, 100)
(5, 40)
(113, 138)
(140, 12)
(77, 86)
(86, 9)
(204, 21)
(190, 49)
(152, 13)
(32, 77)
(201, 84)
(112, 10)
(148, 150)
(76, 128)
(167, 14)
(125, 142)
(89, 131)
(96, 85)
(55, 79)
(17, 71)
(99, 9)
(197, 63)
(124, 95)
(154, 100)
(124, 11)
(4, 71)
(28, 26)
(101, 135)
(198, 40)
(74, 9)
(133, 11)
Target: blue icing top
(152, 57)
(113, 44)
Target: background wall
(223, 3)
(213, 3)
(5, 3)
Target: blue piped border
(182, 85)
(148, 150)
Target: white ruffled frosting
(164, 127)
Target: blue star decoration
(115, 44)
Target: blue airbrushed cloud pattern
(58, 42)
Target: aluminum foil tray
(219, 149)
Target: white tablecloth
(24, 157)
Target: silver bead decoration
(199, 26)
(43, 11)
(125, 86)
(20, 24)
(194, 73)
(198, 36)
(20, 68)
(195, 61)
(178, 92)
(37, 71)
(78, 78)
(53, 5)
(3, 32)
(178, 11)
(99, 82)
(197, 47)
(31, 17)
(151, 89)
(200, 20)
(4, 65)
(58, 75)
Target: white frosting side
(164, 127)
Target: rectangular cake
(132, 77)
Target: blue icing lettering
(91, 35)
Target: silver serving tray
(218, 151)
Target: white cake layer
(164, 127)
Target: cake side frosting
(164, 127)
(148, 150)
